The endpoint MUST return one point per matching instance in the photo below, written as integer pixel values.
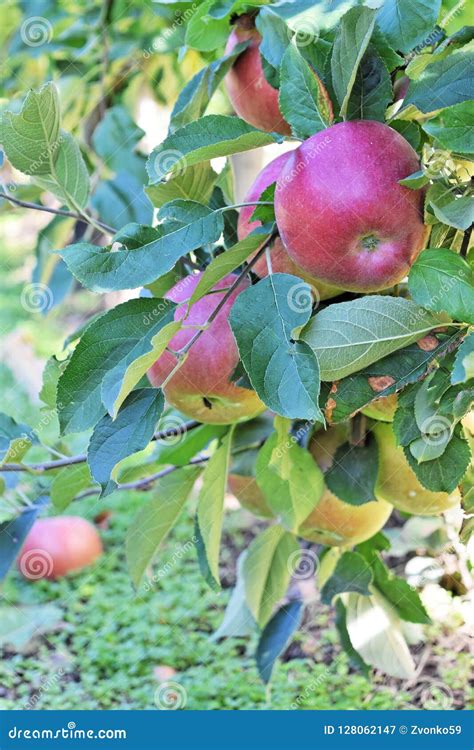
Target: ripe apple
(57, 546)
(341, 212)
(252, 97)
(280, 260)
(397, 483)
(201, 388)
(332, 521)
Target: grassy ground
(104, 653)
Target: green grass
(111, 640)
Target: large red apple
(280, 260)
(57, 546)
(201, 388)
(252, 97)
(341, 212)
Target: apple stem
(358, 430)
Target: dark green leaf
(353, 475)
(352, 39)
(352, 573)
(442, 281)
(406, 23)
(454, 128)
(457, 212)
(463, 368)
(13, 533)
(443, 474)
(131, 431)
(372, 89)
(111, 342)
(443, 83)
(264, 319)
(275, 637)
(301, 99)
(403, 597)
(144, 255)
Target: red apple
(201, 388)
(57, 546)
(341, 212)
(280, 260)
(252, 97)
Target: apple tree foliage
(137, 223)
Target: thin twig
(58, 212)
(82, 457)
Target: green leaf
(375, 632)
(463, 368)
(443, 83)
(372, 89)
(454, 128)
(195, 183)
(341, 625)
(301, 100)
(237, 621)
(275, 36)
(264, 319)
(155, 520)
(15, 439)
(14, 532)
(31, 137)
(443, 281)
(210, 513)
(352, 573)
(275, 637)
(401, 596)
(122, 201)
(457, 212)
(385, 377)
(115, 138)
(444, 473)
(18, 625)
(68, 483)
(145, 253)
(203, 32)
(204, 139)
(415, 181)
(224, 264)
(69, 178)
(131, 431)
(111, 342)
(194, 98)
(348, 336)
(353, 475)
(406, 23)
(118, 383)
(267, 571)
(292, 488)
(352, 39)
